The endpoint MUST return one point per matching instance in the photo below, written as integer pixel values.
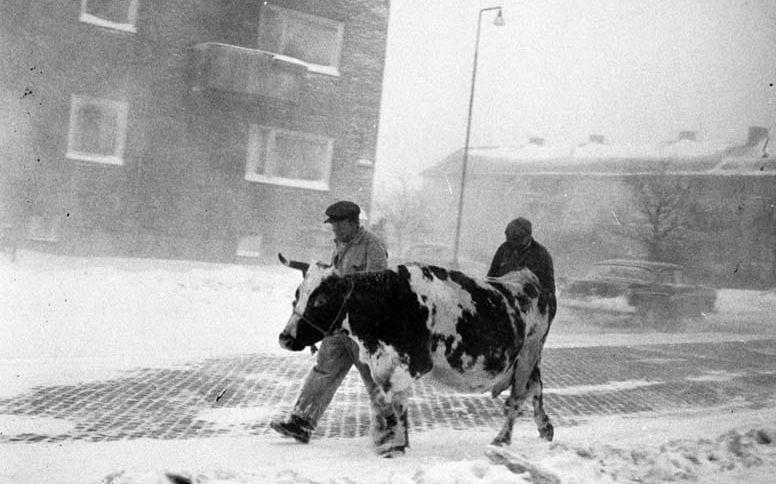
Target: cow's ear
(302, 266)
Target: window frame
(253, 159)
(284, 13)
(121, 108)
(129, 26)
(43, 228)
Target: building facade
(579, 198)
(203, 129)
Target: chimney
(597, 138)
(688, 135)
(536, 141)
(756, 134)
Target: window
(113, 14)
(97, 130)
(314, 40)
(288, 158)
(44, 228)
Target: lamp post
(499, 22)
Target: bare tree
(658, 216)
(402, 211)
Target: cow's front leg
(535, 387)
(390, 432)
(389, 412)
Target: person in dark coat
(519, 251)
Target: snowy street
(132, 368)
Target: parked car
(655, 289)
(440, 255)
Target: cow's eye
(319, 301)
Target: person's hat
(518, 227)
(342, 210)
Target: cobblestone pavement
(184, 402)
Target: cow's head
(319, 305)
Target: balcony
(246, 71)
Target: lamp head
(499, 20)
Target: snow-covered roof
(753, 160)
(763, 165)
(679, 149)
(529, 151)
(684, 156)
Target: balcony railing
(247, 71)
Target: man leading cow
(473, 334)
(359, 251)
(356, 250)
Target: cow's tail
(505, 379)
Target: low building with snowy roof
(574, 195)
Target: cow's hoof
(392, 452)
(547, 433)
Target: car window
(622, 272)
(671, 277)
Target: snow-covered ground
(67, 320)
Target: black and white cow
(474, 334)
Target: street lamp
(499, 22)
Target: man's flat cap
(342, 210)
(518, 227)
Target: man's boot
(295, 427)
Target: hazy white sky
(635, 71)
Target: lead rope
(313, 348)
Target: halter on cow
(474, 334)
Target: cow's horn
(302, 266)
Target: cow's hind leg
(514, 404)
(546, 430)
(512, 407)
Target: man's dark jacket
(509, 257)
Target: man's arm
(540, 263)
(550, 274)
(496, 263)
(376, 256)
